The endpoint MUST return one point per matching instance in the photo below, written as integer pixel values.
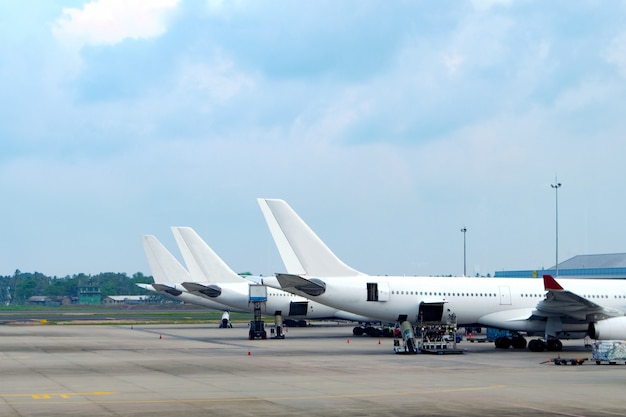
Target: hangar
(609, 265)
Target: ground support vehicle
(565, 361)
(608, 351)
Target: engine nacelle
(613, 328)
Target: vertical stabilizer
(203, 264)
(164, 266)
(301, 250)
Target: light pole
(464, 230)
(556, 187)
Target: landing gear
(502, 343)
(358, 331)
(551, 345)
(536, 345)
(554, 345)
(516, 341)
(369, 330)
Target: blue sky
(387, 126)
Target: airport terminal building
(610, 265)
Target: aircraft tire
(536, 345)
(518, 342)
(502, 343)
(357, 331)
(554, 345)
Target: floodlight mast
(464, 230)
(556, 187)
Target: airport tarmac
(200, 370)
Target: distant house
(127, 299)
(39, 300)
(42, 300)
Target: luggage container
(609, 351)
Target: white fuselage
(493, 302)
(236, 297)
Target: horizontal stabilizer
(208, 290)
(167, 289)
(312, 286)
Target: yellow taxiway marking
(48, 396)
(251, 399)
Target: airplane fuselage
(493, 302)
(235, 297)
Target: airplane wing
(311, 286)
(570, 306)
(210, 291)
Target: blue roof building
(610, 265)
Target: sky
(387, 126)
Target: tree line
(19, 287)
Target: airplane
(206, 266)
(570, 308)
(211, 283)
(169, 274)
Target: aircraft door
(383, 291)
(377, 291)
(505, 295)
(430, 312)
(298, 308)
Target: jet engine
(613, 328)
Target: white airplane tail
(301, 250)
(164, 266)
(203, 263)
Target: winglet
(550, 283)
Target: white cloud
(453, 62)
(616, 54)
(111, 21)
(220, 80)
(488, 4)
